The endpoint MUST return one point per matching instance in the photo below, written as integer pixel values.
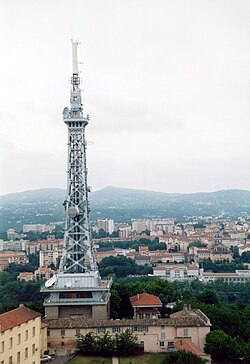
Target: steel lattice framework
(78, 254)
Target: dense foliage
(182, 357)
(134, 244)
(13, 292)
(122, 267)
(226, 349)
(124, 343)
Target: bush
(182, 357)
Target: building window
(10, 360)
(185, 332)
(161, 343)
(116, 329)
(2, 346)
(18, 339)
(163, 335)
(11, 342)
(26, 335)
(48, 333)
(62, 332)
(78, 332)
(33, 331)
(33, 349)
(101, 330)
(19, 357)
(171, 345)
(62, 343)
(26, 353)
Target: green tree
(221, 346)
(86, 344)
(106, 344)
(126, 343)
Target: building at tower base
(78, 294)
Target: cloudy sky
(166, 82)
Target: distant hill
(121, 204)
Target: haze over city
(166, 84)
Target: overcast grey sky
(167, 84)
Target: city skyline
(166, 85)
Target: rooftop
(189, 346)
(16, 317)
(145, 299)
(192, 318)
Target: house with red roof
(145, 306)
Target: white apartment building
(240, 276)
(176, 272)
(38, 228)
(13, 245)
(48, 257)
(106, 224)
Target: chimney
(138, 296)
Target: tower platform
(77, 294)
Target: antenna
(74, 57)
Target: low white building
(176, 272)
(240, 276)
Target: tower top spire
(74, 57)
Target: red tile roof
(16, 317)
(145, 299)
(189, 346)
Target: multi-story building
(176, 272)
(240, 276)
(13, 257)
(48, 257)
(124, 230)
(43, 273)
(38, 228)
(106, 224)
(14, 245)
(23, 338)
(139, 226)
(155, 335)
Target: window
(170, 344)
(26, 353)
(62, 343)
(101, 330)
(19, 357)
(62, 332)
(163, 335)
(11, 343)
(33, 349)
(18, 339)
(115, 329)
(10, 360)
(2, 346)
(48, 333)
(26, 335)
(161, 343)
(78, 331)
(185, 332)
(33, 331)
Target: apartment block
(23, 338)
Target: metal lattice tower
(77, 289)
(77, 255)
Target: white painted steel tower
(77, 251)
(77, 288)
